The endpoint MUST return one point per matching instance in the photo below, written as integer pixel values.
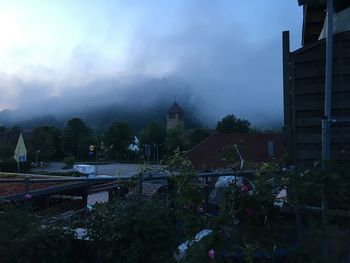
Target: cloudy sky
(226, 53)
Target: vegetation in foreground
(247, 226)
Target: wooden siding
(314, 17)
(304, 77)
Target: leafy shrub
(248, 214)
(69, 162)
(198, 252)
(132, 231)
(50, 244)
(187, 197)
(12, 166)
(24, 239)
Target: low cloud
(209, 60)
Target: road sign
(21, 150)
(92, 148)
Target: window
(270, 149)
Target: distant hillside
(101, 117)
(103, 102)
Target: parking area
(114, 169)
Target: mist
(209, 61)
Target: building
(304, 82)
(209, 154)
(314, 18)
(175, 117)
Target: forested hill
(100, 117)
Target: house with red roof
(213, 153)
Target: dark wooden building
(303, 85)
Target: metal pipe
(326, 121)
(96, 160)
(328, 85)
(158, 153)
(154, 153)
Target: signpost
(20, 152)
(92, 152)
(92, 149)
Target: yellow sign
(21, 150)
(92, 148)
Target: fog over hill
(102, 102)
(116, 61)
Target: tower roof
(175, 108)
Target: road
(119, 169)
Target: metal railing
(55, 195)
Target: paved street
(119, 169)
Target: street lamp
(36, 157)
(158, 145)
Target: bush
(198, 252)
(132, 231)
(49, 244)
(12, 166)
(187, 197)
(24, 239)
(68, 162)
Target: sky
(224, 54)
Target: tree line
(48, 143)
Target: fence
(63, 197)
(68, 196)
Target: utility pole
(326, 121)
(96, 160)
(147, 152)
(154, 153)
(36, 157)
(77, 152)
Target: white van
(86, 169)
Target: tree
(118, 138)
(231, 124)
(77, 137)
(198, 135)
(154, 134)
(56, 134)
(175, 140)
(8, 142)
(41, 144)
(6, 151)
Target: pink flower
(248, 211)
(28, 197)
(211, 254)
(200, 209)
(244, 188)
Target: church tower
(175, 117)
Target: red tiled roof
(208, 154)
(175, 108)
